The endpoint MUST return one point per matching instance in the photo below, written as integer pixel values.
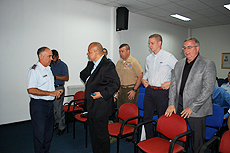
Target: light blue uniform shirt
(226, 87)
(221, 98)
(41, 78)
(158, 68)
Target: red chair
(71, 106)
(223, 143)
(128, 112)
(78, 117)
(173, 127)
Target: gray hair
(41, 50)
(194, 39)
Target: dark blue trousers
(155, 99)
(42, 117)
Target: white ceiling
(204, 13)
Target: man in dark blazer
(101, 82)
(190, 91)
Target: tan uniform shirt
(128, 70)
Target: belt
(153, 87)
(59, 85)
(128, 86)
(42, 100)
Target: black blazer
(105, 80)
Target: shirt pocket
(43, 80)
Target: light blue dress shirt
(226, 87)
(221, 98)
(158, 68)
(95, 66)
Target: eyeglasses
(188, 47)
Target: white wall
(213, 42)
(140, 28)
(68, 26)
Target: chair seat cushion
(210, 132)
(114, 129)
(77, 108)
(158, 145)
(78, 117)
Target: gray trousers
(59, 113)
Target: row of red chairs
(174, 128)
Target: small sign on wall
(225, 61)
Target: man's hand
(145, 83)
(186, 112)
(131, 94)
(56, 93)
(166, 85)
(98, 95)
(171, 109)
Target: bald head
(95, 51)
(97, 47)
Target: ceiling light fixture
(227, 6)
(180, 17)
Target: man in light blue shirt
(157, 81)
(221, 98)
(227, 85)
(40, 87)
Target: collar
(158, 54)
(193, 60)
(98, 61)
(42, 67)
(128, 59)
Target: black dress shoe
(60, 132)
(55, 127)
(128, 140)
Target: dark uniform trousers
(154, 99)
(41, 112)
(197, 126)
(98, 128)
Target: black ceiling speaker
(122, 18)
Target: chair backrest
(142, 88)
(79, 95)
(216, 119)
(128, 110)
(172, 126)
(225, 143)
(140, 102)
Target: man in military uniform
(130, 74)
(40, 87)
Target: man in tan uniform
(130, 74)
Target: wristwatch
(135, 90)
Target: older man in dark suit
(101, 82)
(190, 91)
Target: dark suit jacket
(105, 80)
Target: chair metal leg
(118, 145)
(74, 129)
(86, 138)
(66, 122)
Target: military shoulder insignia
(34, 66)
